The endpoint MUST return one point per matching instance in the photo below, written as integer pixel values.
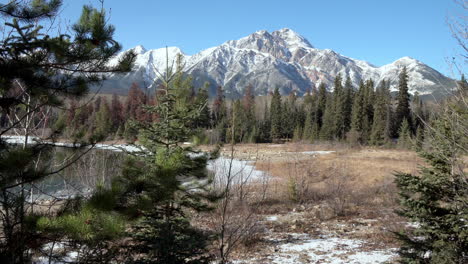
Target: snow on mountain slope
(282, 59)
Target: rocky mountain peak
(292, 38)
(282, 59)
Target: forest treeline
(367, 115)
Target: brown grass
(349, 181)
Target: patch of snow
(272, 218)
(19, 139)
(111, 147)
(58, 249)
(301, 248)
(318, 152)
(234, 170)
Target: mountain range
(267, 60)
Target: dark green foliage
(403, 110)
(381, 116)
(436, 200)
(357, 115)
(307, 134)
(347, 105)
(289, 116)
(419, 141)
(239, 126)
(46, 69)
(321, 105)
(170, 241)
(328, 128)
(339, 105)
(404, 140)
(363, 112)
(276, 116)
(368, 117)
(263, 134)
(419, 116)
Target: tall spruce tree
(321, 104)
(418, 115)
(49, 68)
(403, 111)
(357, 115)
(348, 105)
(379, 134)
(264, 127)
(327, 131)
(339, 115)
(276, 116)
(368, 111)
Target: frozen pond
(104, 160)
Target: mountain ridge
(266, 60)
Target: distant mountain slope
(282, 59)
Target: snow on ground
(239, 171)
(302, 248)
(318, 152)
(58, 249)
(112, 147)
(272, 218)
(19, 139)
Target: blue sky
(377, 31)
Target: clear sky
(376, 31)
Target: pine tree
(290, 116)
(321, 105)
(327, 130)
(264, 127)
(437, 198)
(419, 141)
(238, 130)
(348, 105)
(379, 135)
(339, 105)
(248, 105)
(307, 134)
(403, 111)
(297, 134)
(368, 111)
(418, 113)
(50, 68)
(358, 110)
(276, 116)
(404, 140)
(161, 184)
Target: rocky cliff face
(282, 59)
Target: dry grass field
(325, 190)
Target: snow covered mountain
(265, 60)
